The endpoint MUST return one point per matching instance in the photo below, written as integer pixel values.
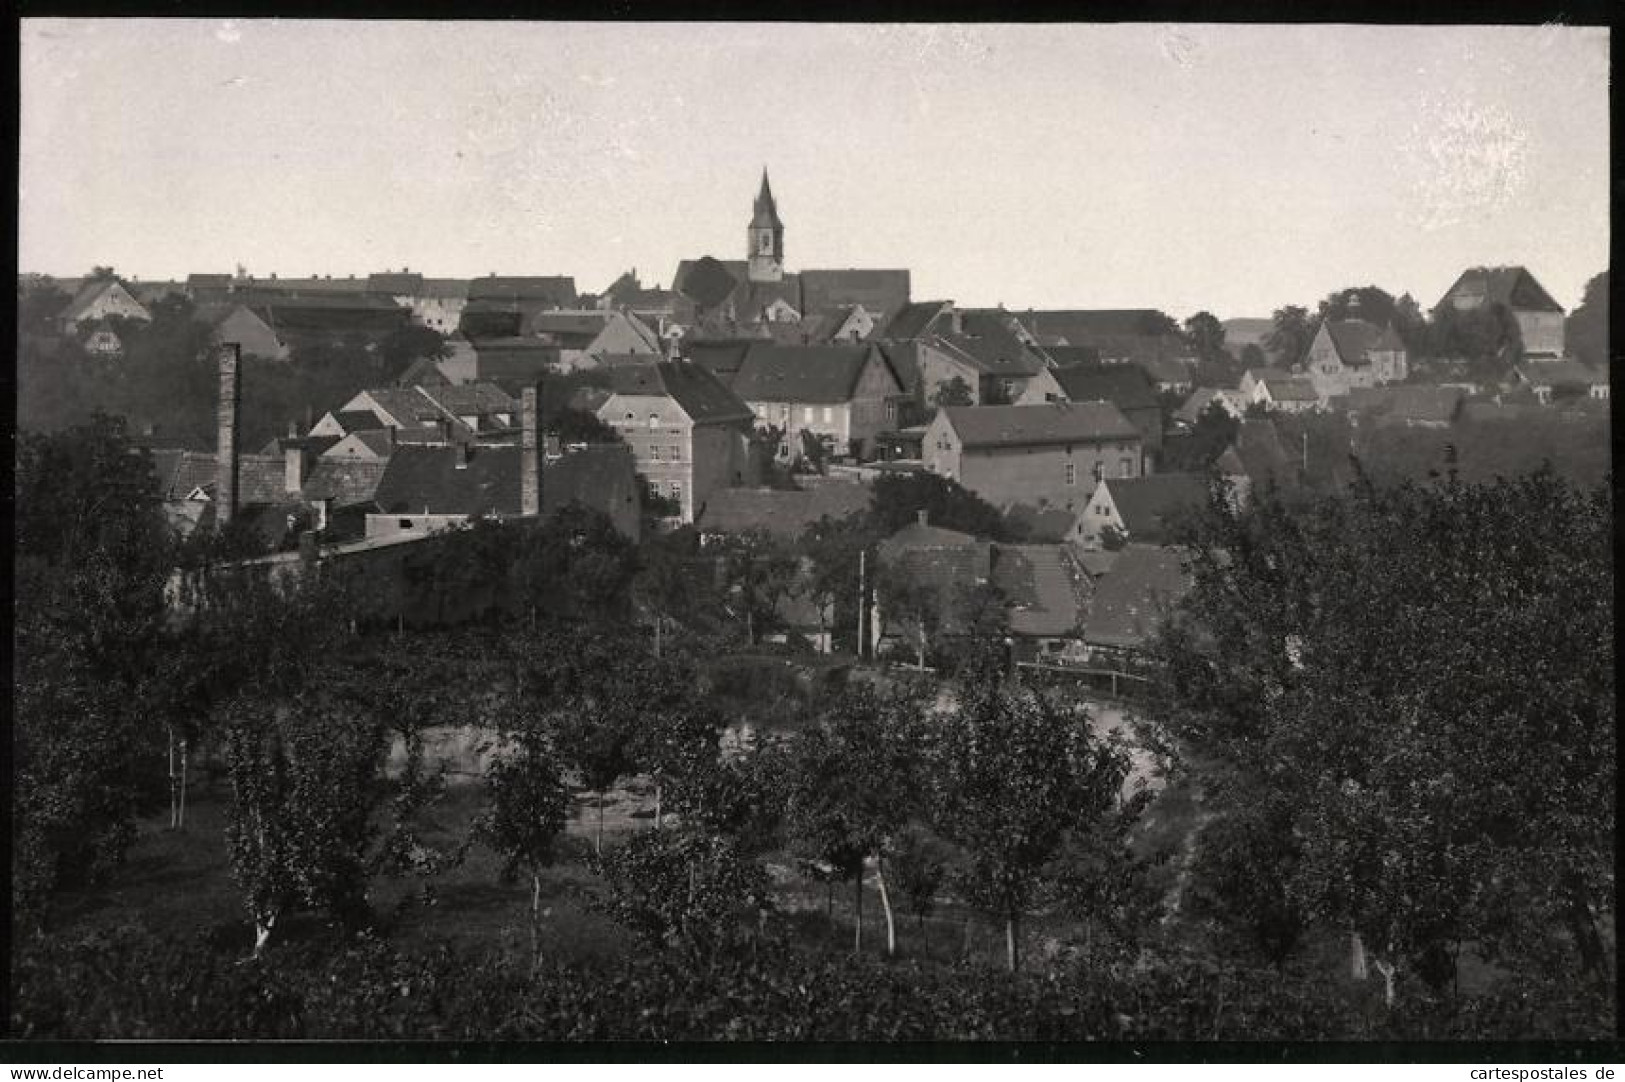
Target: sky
(1184, 167)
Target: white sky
(1233, 168)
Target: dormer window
(654, 420)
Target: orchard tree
(835, 549)
(1017, 775)
(683, 889)
(757, 571)
(953, 392)
(855, 780)
(1345, 657)
(527, 811)
(306, 773)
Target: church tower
(765, 238)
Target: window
(654, 420)
(807, 414)
(676, 452)
(828, 415)
(1127, 466)
(766, 245)
(629, 417)
(676, 490)
(761, 411)
(1071, 474)
(784, 413)
(654, 452)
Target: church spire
(765, 237)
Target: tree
(406, 345)
(579, 426)
(834, 549)
(597, 711)
(38, 306)
(1018, 774)
(898, 498)
(305, 775)
(1252, 356)
(854, 780)
(91, 555)
(1293, 334)
(953, 392)
(757, 572)
(1374, 305)
(1353, 652)
(815, 450)
(1204, 335)
(1586, 331)
(527, 811)
(684, 889)
(1214, 431)
(573, 567)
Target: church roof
(766, 214)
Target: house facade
(1138, 508)
(1351, 353)
(1540, 318)
(100, 300)
(1048, 455)
(846, 395)
(688, 432)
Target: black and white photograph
(547, 533)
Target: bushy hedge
(130, 984)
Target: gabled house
(584, 335)
(1540, 318)
(1407, 405)
(1131, 600)
(232, 322)
(1278, 389)
(1140, 508)
(1041, 455)
(784, 513)
(1119, 336)
(845, 395)
(1125, 386)
(1565, 378)
(438, 304)
(1046, 593)
(688, 432)
(1201, 399)
(1350, 353)
(944, 565)
(98, 300)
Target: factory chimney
(231, 355)
(530, 466)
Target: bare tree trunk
(185, 761)
(657, 634)
(174, 796)
(1387, 971)
(657, 804)
(857, 914)
(535, 919)
(885, 906)
(922, 648)
(1357, 957)
(263, 923)
(829, 899)
(1010, 939)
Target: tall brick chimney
(530, 467)
(225, 456)
(293, 462)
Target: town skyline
(1176, 167)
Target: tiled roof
(395, 283)
(816, 374)
(1073, 356)
(347, 482)
(480, 399)
(1131, 599)
(700, 394)
(993, 354)
(1058, 422)
(904, 358)
(913, 320)
(557, 291)
(1291, 389)
(357, 420)
(444, 289)
(1167, 369)
(573, 329)
(1079, 326)
(1412, 403)
(943, 560)
(260, 478)
(592, 476)
(879, 290)
(1513, 287)
(428, 480)
(1146, 504)
(405, 404)
(707, 281)
(1353, 338)
(1126, 386)
(920, 535)
(1043, 587)
(786, 513)
(1565, 371)
(88, 294)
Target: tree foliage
(1422, 673)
